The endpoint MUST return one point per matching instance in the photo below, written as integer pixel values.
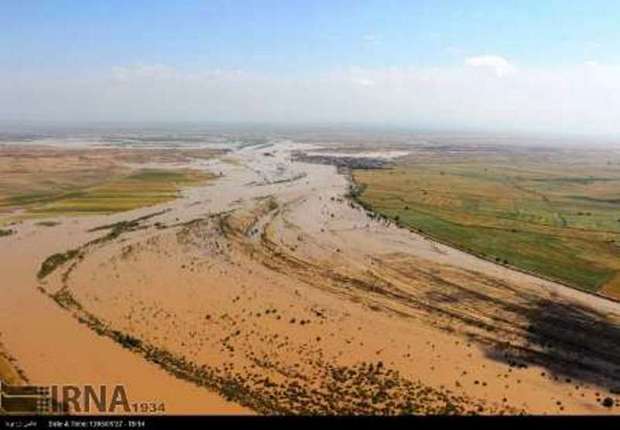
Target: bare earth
(269, 291)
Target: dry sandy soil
(268, 291)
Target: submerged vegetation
(10, 373)
(54, 261)
(512, 209)
(48, 223)
(6, 232)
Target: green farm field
(44, 183)
(552, 212)
(145, 187)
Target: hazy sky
(516, 65)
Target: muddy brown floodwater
(268, 291)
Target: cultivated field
(49, 181)
(555, 212)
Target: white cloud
(371, 38)
(363, 82)
(499, 65)
(154, 71)
(581, 98)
